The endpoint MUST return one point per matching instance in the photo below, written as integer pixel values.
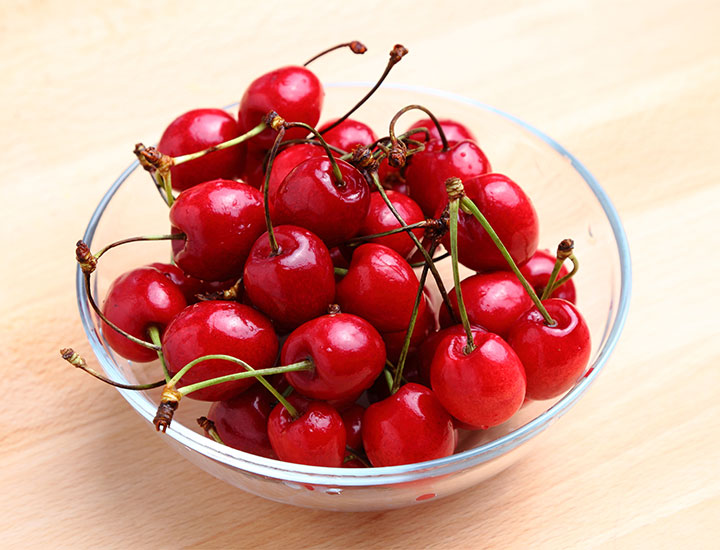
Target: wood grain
(633, 89)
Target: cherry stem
(289, 142)
(404, 229)
(355, 46)
(336, 169)
(396, 54)
(220, 146)
(564, 251)
(342, 271)
(454, 208)
(170, 237)
(77, 361)
(435, 260)
(470, 207)
(425, 110)
(274, 247)
(355, 455)
(411, 325)
(154, 333)
(566, 278)
(209, 427)
(388, 379)
(418, 244)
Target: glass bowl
(570, 203)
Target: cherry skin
(348, 134)
(310, 197)
(254, 172)
(407, 427)
(190, 286)
(483, 388)
(380, 286)
(135, 301)
(218, 327)
(221, 220)
(427, 171)
(286, 161)
(424, 325)
(537, 271)
(295, 284)
(352, 419)
(429, 346)
(195, 131)
(454, 130)
(554, 357)
(241, 422)
(348, 354)
(380, 219)
(295, 93)
(492, 300)
(511, 215)
(316, 438)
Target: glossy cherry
(510, 213)
(537, 271)
(483, 388)
(492, 300)
(195, 131)
(316, 438)
(221, 220)
(135, 301)
(348, 354)
(454, 130)
(352, 419)
(241, 422)
(310, 197)
(348, 134)
(380, 219)
(554, 357)
(424, 325)
(191, 286)
(218, 327)
(380, 286)
(295, 93)
(295, 284)
(428, 170)
(407, 427)
(254, 172)
(286, 161)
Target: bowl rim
(355, 477)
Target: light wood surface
(632, 88)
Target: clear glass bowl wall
(570, 203)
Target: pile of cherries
(304, 299)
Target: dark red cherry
(241, 422)
(407, 427)
(554, 357)
(492, 300)
(310, 197)
(424, 325)
(537, 271)
(380, 219)
(316, 438)
(219, 327)
(197, 130)
(190, 286)
(295, 284)
(427, 171)
(254, 171)
(348, 134)
(511, 215)
(352, 419)
(347, 352)
(380, 286)
(221, 220)
(295, 93)
(286, 161)
(454, 131)
(135, 301)
(483, 388)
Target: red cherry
(348, 354)
(254, 171)
(353, 463)
(310, 197)
(554, 357)
(295, 284)
(407, 427)
(316, 438)
(510, 213)
(197, 130)
(295, 93)
(380, 219)
(218, 327)
(483, 388)
(492, 300)
(428, 348)
(537, 271)
(221, 220)
(424, 325)
(190, 286)
(348, 134)
(137, 300)
(352, 419)
(241, 422)
(427, 171)
(380, 286)
(454, 131)
(286, 161)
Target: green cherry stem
(341, 271)
(144, 238)
(388, 378)
(209, 427)
(435, 260)
(77, 361)
(566, 278)
(154, 333)
(274, 247)
(564, 251)
(358, 240)
(182, 159)
(335, 168)
(454, 208)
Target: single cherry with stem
(537, 271)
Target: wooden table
(633, 89)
